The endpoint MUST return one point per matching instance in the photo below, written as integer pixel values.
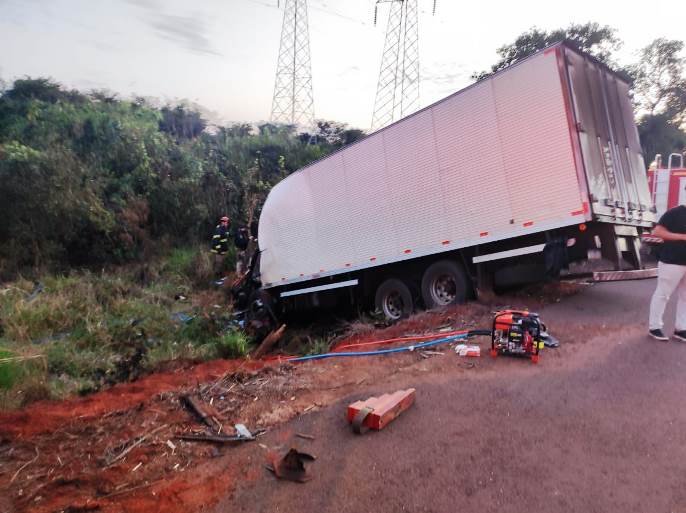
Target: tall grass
(94, 329)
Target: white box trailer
(473, 187)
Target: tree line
(89, 179)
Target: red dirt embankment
(44, 416)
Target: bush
(232, 344)
(9, 371)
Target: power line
(320, 8)
(338, 14)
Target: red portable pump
(517, 332)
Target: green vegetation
(316, 345)
(9, 370)
(88, 180)
(86, 330)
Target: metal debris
(37, 289)
(549, 340)
(305, 436)
(243, 434)
(243, 431)
(291, 466)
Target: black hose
(479, 333)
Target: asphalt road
(599, 426)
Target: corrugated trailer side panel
(417, 202)
(491, 162)
(534, 132)
(475, 191)
(329, 209)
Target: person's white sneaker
(658, 335)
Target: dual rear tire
(443, 283)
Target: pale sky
(222, 54)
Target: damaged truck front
(504, 182)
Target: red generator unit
(517, 332)
(667, 184)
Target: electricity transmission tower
(293, 102)
(397, 92)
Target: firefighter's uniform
(220, 240)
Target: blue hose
(461, 336)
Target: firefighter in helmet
(220, 244)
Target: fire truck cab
(667, 183)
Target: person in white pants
(671, 273)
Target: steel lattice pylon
(293, 101)
(397, 93)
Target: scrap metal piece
(37, 289)
(549, 340)
(243, 432)
(292, 466)
(217, 439)
(377, 412)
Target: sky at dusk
(221, 54)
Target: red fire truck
(669, 189)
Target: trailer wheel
(444, 283)
(394, 299)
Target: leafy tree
(42, 89)
(659, 93)
(659, 81)
(182, 123)
(337, 134)
(599, 41)
(91, 179)
(660, 135)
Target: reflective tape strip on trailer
(528, 250)
(349, 283)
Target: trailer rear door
(610, 146)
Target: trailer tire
(394, 299)
(444, 283)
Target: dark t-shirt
(674, 251)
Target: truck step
(638, 274)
